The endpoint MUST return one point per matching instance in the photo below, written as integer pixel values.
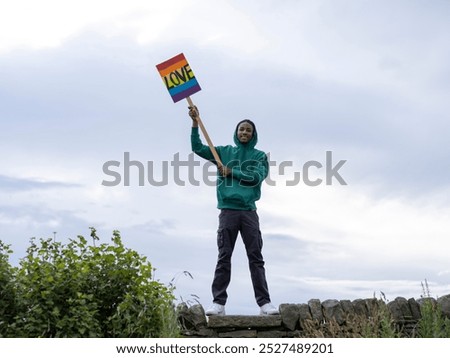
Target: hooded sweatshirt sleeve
(253, 171)
(198, 147)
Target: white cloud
(46, 23)
(49, 23)
(355, 224)
(27, 220)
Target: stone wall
(329, 319)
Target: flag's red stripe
(170, 62)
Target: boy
(238, 188)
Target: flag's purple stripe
(191, 90)
(191, 83)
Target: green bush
(433, 323)
(7, 290)
(81, 290)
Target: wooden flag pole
(205, 134)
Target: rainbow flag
(178, 77)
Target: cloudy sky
(367, 81)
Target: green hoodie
(249, 166)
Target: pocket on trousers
(220, 238)
(260, 240)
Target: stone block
(237, 321)
(400, 310)
(315, 308)
(415, 309)
(444, 303)
(372, 306)
(245, 333)
(332, 310)
(347, 306)
(304, 314)
(360, 307)
(290, 315)
(191, 317)
(272, 334)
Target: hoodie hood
(253, 141)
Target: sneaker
(215, 310)
(268, 309)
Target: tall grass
(380, 324)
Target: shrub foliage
(81, 290)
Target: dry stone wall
(330, 318)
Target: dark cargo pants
(231, 222)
